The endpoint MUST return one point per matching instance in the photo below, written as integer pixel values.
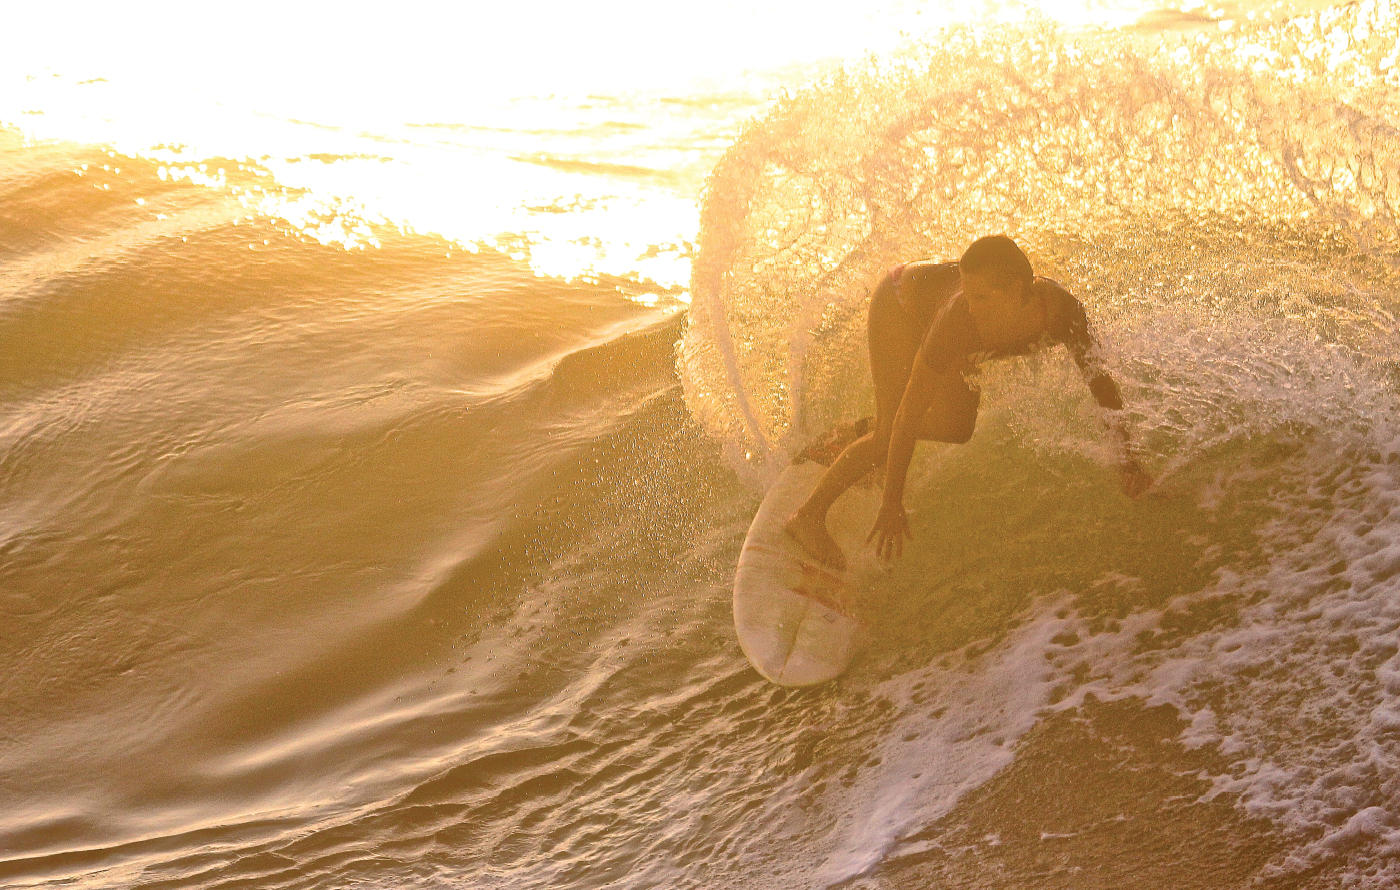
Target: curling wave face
(1256, 174)
(1227, 211)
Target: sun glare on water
(576, 136)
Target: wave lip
(1070, 146)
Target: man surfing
(930, 324)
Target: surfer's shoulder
(1056, 294)
(1065, 318)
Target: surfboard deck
(793, 614)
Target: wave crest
(1278, 142)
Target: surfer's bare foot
(811, 533)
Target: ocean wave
(1226, 209)
(1199, 154)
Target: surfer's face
(986, 293)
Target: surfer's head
(998, 263)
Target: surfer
(930, 324)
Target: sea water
(385, 402)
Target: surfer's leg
(894, 341)
(894, 345)
(808, 523)
(953, 414)
(859, 458)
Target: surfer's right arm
(938, 367)
(892, 524)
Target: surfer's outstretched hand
(1134, 478)
(891, 528)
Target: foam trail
(957, 727)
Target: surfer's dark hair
(997, 257)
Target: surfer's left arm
(1085, 350)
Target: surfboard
(793, 614)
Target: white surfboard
(793, 614)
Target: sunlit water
(386, 399)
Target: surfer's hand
(891, 528)
(1134, 478)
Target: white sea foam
(1300, 695)
(957, 726)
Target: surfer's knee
(959, 434)
(955, 429)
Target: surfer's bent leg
(953, 414)
(894, 342)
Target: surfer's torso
(931, 296)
